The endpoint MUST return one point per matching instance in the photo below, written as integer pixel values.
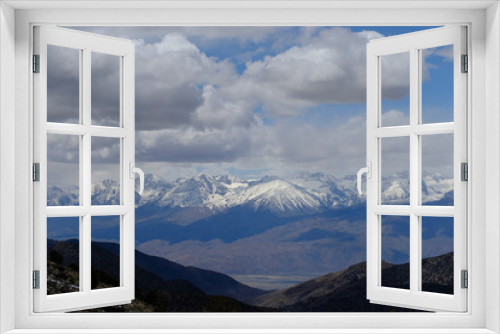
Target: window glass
(395, 157)
(63, 170)
(63, 84)
(395, 252)
(105, 89)
(437, 254)
(63, 255)
(105, 252)
(395, 85)
(437, 170)
(437, 71)
(105, 171)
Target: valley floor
(272, 282)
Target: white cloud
(331, 68)
(168, 79)
(215, 112)
(192, 146)
(395, 118)
(192, 109)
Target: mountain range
(302, 193)
(311, 223)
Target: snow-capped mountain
(300, 194)
(278, 196)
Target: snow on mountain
(201, 190)
(302, 193)
(62, 197)
(435, 185)
(106, 192)
(333, 191)
(278, 196)
(396, 189)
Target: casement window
(414, 213)
(85, 131)
(474, 129)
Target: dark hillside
(153, 293)
(345, 291)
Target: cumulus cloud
(194, 110)
(395, 118)
(331, 68)
(169, 79)
(105, 89)
(395, 70)
(105, 150)
(190, 145)
(216, 112)
(63, 84)
(285, 146)
(63, 148)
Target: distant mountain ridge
(303, 193)
(311, 223)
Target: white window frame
(413, 44)
(482, 18)
(124, 51)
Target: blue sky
(261, 100)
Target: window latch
(368, 171)
(134, 170)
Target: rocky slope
(345, 290)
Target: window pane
(105, 171)
(437, 254)
(396, 251)
(395, 157)
(63, 170)
(105, 252)
(63, 255)
(105, 89)
(63, 84)
(437, 84)
(395, 92)
(437, 170)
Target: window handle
(368, 171)
(134, 170)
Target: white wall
(7, 160)
(492, 164)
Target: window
(58, 141)
(483, 245)
(415, 140)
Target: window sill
(248, 331)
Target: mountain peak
(304, 192)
